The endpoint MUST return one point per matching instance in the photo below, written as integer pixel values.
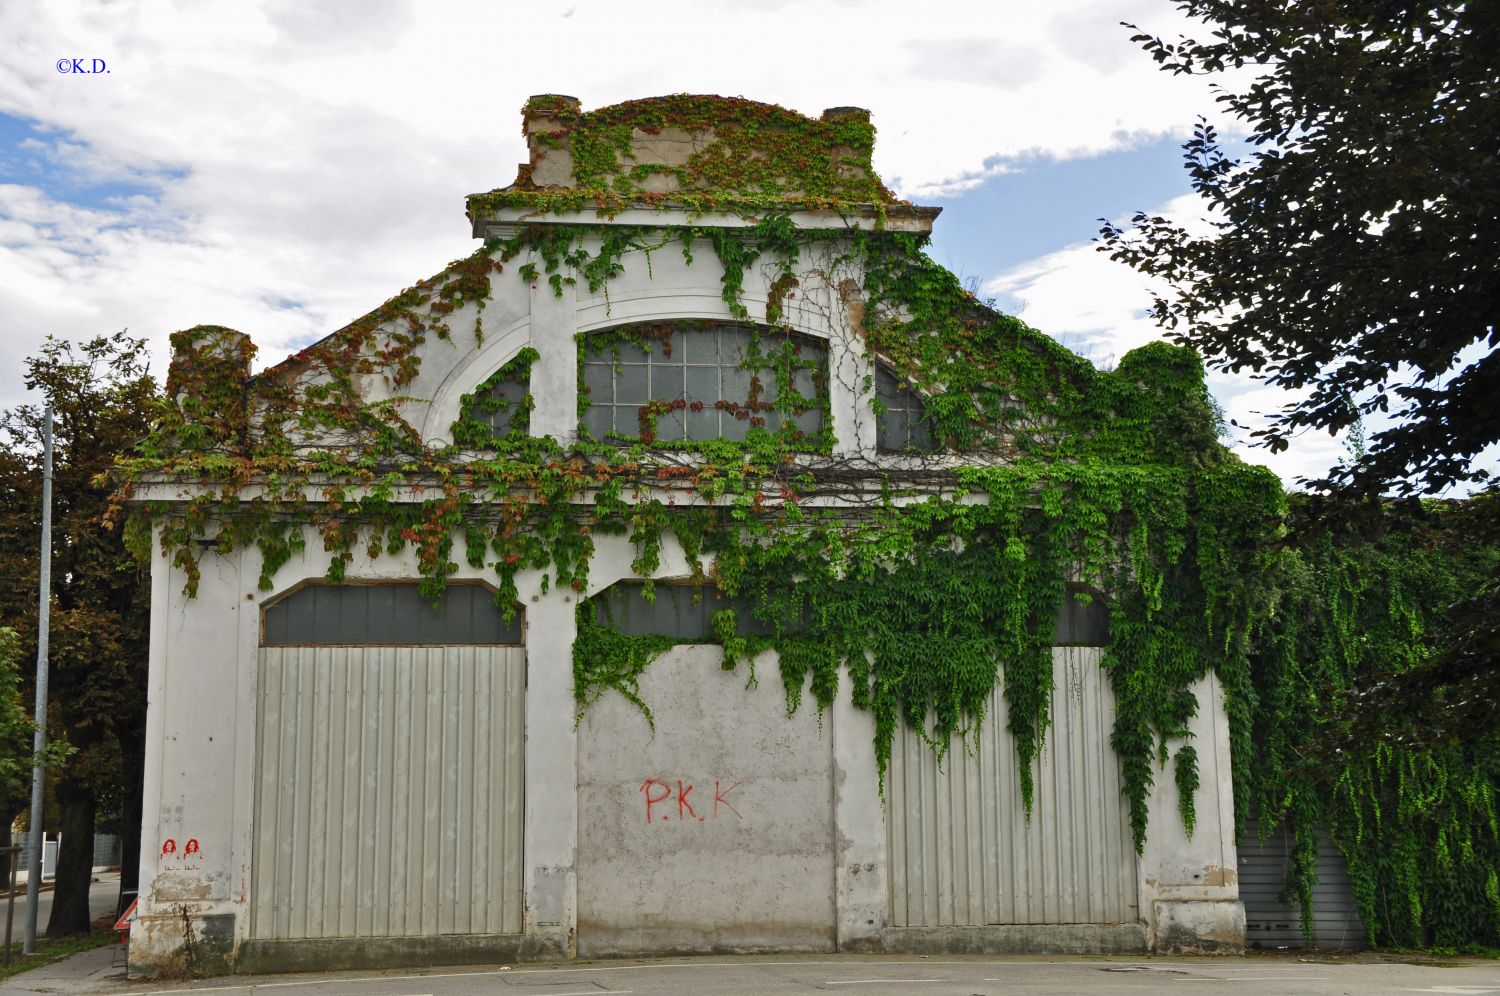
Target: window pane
(698, 346)
(703, 384)
(599, 378)
(893, 429)
(731, 426)
(1080, 625)
(734, 346)
(626, 352)
(503, 398)
(703, 424)
(736, 384)
(669, 427)
(630, 386)
(666, 380)
(599, 420)
(809, 421)
(903, 425)
(802, 382)
(921, 435)
(684, 611)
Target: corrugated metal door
(389, 793)
(962, 852)
(1270, 923)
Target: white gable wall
(202, 751)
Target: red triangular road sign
(128, 917)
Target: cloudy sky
(283, 166)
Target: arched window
(902, 420)
(679, 609)
(691, 381)
(388, 614)
(499, 407)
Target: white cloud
(319, 153)
(988, 62)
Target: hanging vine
(923, 583)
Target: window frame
(915, 410)
(302, 588)
(799, 411)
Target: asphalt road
(881, 976)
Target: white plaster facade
(202, 722)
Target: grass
(48, 951)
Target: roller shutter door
(962, 852)
(1270, 923)
(389, 775)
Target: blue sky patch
(66, 169)
(1046, 205)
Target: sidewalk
(85, 972)
(92, 971)
(1306, 974)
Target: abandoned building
(694, 568)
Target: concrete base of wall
(1199, 927)
(331, 954)
(595, 940)
(1065, 938)
(182, 946)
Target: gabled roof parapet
(679, 158)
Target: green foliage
(104, 399)
(750, 157)
(1414, 813)
(1186, 770)
(17, 730)
(16, 726)
(1354, 252)
(604, 659)
(924, 596)
(473, 430)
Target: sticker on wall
(189, 857)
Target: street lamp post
(39, 741)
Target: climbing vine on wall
(759, 158)
(1356, 603)
(922, 596)
(920, 586)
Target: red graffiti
(666, 793)
(682, 802)
(191, 848)
(719, 797)
(660, 790)
(169, 846)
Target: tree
(1355, 253)
(16, 731)
(103, 397)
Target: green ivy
(924, 601)
(1417, 820)
(473, 430)
(922, 588)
